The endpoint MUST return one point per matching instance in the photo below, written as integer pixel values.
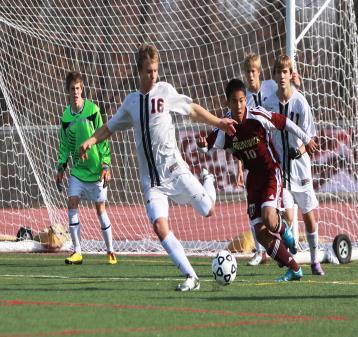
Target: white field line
(237, 282)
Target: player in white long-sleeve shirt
(163, 172)
(256, 93)
(296, 166)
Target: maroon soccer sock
(278, 251)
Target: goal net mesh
(202, 45)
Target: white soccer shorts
(287, 199)
(184, 189)
(87, 191)
(306, 200)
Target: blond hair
(283, 61)
(146, 51)
(252, 61)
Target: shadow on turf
(16, 265)
(21, 288)
(82, 286)
(270, 298)
(61, 287)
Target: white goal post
(202, 45)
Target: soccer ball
(224, 267)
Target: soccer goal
(202, 45)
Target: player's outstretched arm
(199, 114)
(99, 136)
(310, 144)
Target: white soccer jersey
(297, 171)
(157, 150)
(268, 88)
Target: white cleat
(191, 283)
(256, 259)
(205, 174)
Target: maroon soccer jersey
(252, 142)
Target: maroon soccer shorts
(263, 190)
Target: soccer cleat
(111, 258)
(204, 174)
(74, 258)
(317, 269)
(258, 258)
(289, 239)
(191, 283)
(291, 275)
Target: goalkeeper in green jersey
(88, 178)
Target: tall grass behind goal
(202, 46)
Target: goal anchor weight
(342, 247)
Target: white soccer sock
(312, 239)
(258, 246)
(75, 230)
(209, 187)
(176, 252)
(106, 230)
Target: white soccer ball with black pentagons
(224, 267)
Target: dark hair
(146, 51)
(234, 85)
(73, 76)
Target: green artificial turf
(41, 296)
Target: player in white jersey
(257, 96)
(256, 93)
(296, 165)
(163, 172)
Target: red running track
(131, 221)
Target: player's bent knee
(161, 228)
(270, 220)
(203, 204)
(73, 202)
(100, 208)
(211, 212)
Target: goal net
(202, 45)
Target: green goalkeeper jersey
(75, 129)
